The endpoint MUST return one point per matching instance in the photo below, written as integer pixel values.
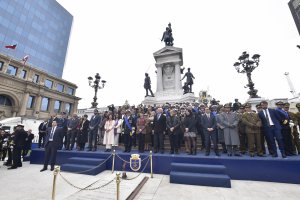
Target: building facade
(28, 92)
(41, 29)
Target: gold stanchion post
(118, 180)
(113, 162)
(151, 164)
(55, 172)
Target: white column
(159, 85)
(24, 104)
(178, 86)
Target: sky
(117, 39)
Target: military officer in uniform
(291, 129)
(296, 130)
(241, 130)
(253, 130)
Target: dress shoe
(44, 169)
(217, 154)
(274, 155)
(7, 164)
(171, 152)
(206, 154)
(283, 155)
(229, 154)
(94, 149)
(52, 168)
(13, 167)
(237, 154)
(176, 152)
(251, 154)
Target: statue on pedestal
(168, 36)
(147, 85)
(189, 79)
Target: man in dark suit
(42, 133)
(173, 125)
(129, 129)
(93, 126)
(159, 124)
(271, 119)
(209, 125)
(52, 143)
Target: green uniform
(253, 131)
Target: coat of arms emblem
(135, 162)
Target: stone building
(32, 93)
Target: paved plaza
(28, 183)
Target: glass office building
(40, 28)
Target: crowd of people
(233, 129)
(15, 145)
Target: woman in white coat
(108, 139)
(118, 130)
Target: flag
(25, 59)
(11, 46)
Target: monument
(168, 62)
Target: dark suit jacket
(95, 121)
(173, 121)
(57, 137)
(208, 123)
(274, 115)
(160, 124)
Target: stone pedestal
(254, 102)
(169, 86)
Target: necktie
(267, 117)
(51, 134)
(158, 117)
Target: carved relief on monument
(168, 76)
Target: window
(57, 106)
(60, 87)
(45, 104)
(1, 65)
(5, 101)
(48, 84)
(70, 91)
(12, 70)
(30, 102)
(35, 78)
(68, 108)
(23, 74)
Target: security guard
(253, 130)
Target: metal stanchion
(113, 162)
(55, 172)
(151, 165)
(118, 185)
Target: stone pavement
(28, 183)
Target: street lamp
(95, 84)
(246, 65)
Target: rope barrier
(81, 172)
(87, 187)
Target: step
(82, 169)
(215, 180)
(198, 168)
(84, 160)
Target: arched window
(5, 100)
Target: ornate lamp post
(96, 86)
(246, 65)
